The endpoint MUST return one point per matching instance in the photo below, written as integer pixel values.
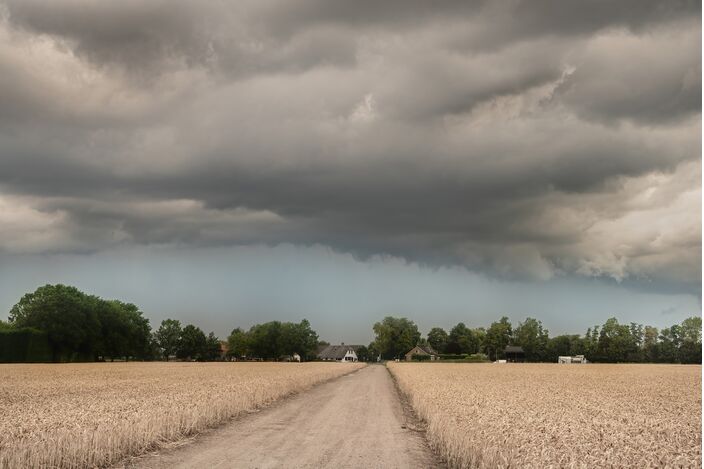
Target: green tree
(115, 332)
(616, 342)
(498, 336)
(437, 338)
(462, 340)
(167, 337)
(533, 338)
(266, 340)
(125, 332)
(480, 335)
(395, 336)
(237, 345)
(691, 343)
(299, 338)
(363, 354)
(211, 351)
(191, 344)
(669, 344)
(373, 352)
(691, 330)
(649, 346)
(66, 314)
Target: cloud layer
(519, 139)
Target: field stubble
(88, 415)
(549, 415)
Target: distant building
(569, 359)
(423, 351)
(339, 353)
(514, 353)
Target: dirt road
(353, 421)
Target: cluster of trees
(610, 343)
(82, 327)
(189, 342)
(273, 340)
(75, 326)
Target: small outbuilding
(514, 353)
(422, 351)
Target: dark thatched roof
(336, 352)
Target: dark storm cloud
(522, 139)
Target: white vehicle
(572, 359)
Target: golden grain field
(87, 415)
(549, 415)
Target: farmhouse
(513, 353)
(422, 351)
(339, 353)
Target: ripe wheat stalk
(549, 415)
(94, 415)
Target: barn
(514, 353)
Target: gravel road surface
(357, 420)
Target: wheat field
(549, 415)
(88, 415)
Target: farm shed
(423, 351)
(514, 353)
(340, 353)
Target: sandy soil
(357, 420)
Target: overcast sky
(227, 163)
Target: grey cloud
(555, 147)
(647, 78)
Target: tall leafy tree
(266, 340)
(437, 338)
(167, 337)
(191, 343)
(691, 329)
(498, 336)
(212, 349)
(66, 314)
(395, 336)
(363, 354)
(125, 331)
(533, 338)
(691, 340)
(115, 336)
(237, 345)
(462, 340)
(669, 344)
(617, 343)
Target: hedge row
(24, 346)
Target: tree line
(61, 323)
(611, 342)
(274, 340)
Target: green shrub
(452, 356)
(477, 357)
